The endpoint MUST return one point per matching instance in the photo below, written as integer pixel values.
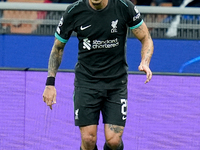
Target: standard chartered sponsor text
(97, 44)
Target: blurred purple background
(162, 115)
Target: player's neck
(98, 4)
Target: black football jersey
(102, 41)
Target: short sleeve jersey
(102, 38)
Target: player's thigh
(87, 106)
(115, 107)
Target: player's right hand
(49, 95)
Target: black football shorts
(88, 103)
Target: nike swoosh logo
(83, 28)
(123, 118)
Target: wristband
(50, 81)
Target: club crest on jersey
(114, 26)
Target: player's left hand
(147, 70)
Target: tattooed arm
(49, 94)
(143, 35)
(55, 58)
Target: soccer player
(101, 71)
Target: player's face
(98, 4)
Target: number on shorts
(124, 106)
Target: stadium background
(163, 114)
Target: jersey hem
(60, 39)
(136, 26)
(96, 86)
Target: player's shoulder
(78, 5)
(124, 3)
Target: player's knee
(114, 142)
(89, 140)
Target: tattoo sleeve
(55, 58)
